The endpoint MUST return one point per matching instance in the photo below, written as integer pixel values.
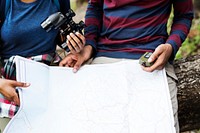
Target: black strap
(2, 11)
(64, 6)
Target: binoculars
(64, 23)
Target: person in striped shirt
(118, 29)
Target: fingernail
(74, 70)
(149, 60)
(27, 84)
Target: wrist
(1, 84)
(169, 47)
(88, 50)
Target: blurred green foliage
(191, 46)
(73, 4)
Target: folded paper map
(104, 98)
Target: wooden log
(188, 73)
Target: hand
(161, 56)
(7, 89)
(76, 60)
(75, 42)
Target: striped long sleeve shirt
(128, 28)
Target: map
(102, 98)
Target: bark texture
(188, 73)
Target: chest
(138, 3)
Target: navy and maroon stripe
(120, 26)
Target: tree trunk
(188, 73)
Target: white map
(105, 98)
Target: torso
(21, 32)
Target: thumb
(77, 65)
(155, 54)
(20, 84)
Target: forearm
(183, 15)
(93, 21)
(1, 85)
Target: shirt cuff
(175, 49)
(93, 44)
